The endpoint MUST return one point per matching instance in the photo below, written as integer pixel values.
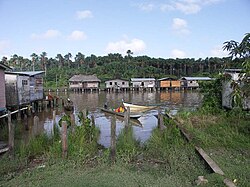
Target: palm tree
(67, 58)
(34, 57)
(44, 61)
(60, 59)
(79, 59)
(4, 60)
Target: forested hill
(61, 68)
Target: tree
(240, 51)
(129, 52)
(60, 59)
(44, 59)
(34, 57)
(67, 58)
(4, 60)
(79, 59)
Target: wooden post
(113, 140)
(33, 107)
(72, 119)
(29, 111)
(26, 122)
(19, 115)
(36, 124)
(51, 103)
(11, 135)
(84, 113)
(160, 120)
(93, 120)
(126, 117)
(39, 106)
(64, 140)
(53, 122)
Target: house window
(110, 83)
(24, 82)
(116, 83)
(123, 83)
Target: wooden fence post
(64, 140)
(160, 120)
(26, 122)
(84, 114)
(53, 122)
(19, 115)
(93, 120)
(29, 111)
(113, 140)
(36, 124)
(11, 135)
(72, 119)
(126, 117)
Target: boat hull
(138, 108)
(133, 116)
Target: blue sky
(156, 28)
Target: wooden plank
(3, 150)
(209, 161)
(229, 183)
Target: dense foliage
(61, 68)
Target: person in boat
(120, 109)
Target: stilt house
(23, 88)
(81, 82)
(3, 67)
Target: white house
(117, 83)
(143, 82)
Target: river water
(171, 101)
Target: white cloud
(217, 51)
(146, 6)
(49, 34)
(180, 26)
(176, 53)
(77, 35)
(188, 6)
(135, 45)
(84, 14)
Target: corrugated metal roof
(166, 78)
(233, 70)
(3, 66)
(196, 78)
(84, 78)
(113, 80)
(28, 73)
(142, 79)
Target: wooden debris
(201, 181)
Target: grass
(226, 138)
(166, 159)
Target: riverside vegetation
(166, 159)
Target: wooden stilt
(64, 140)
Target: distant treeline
(61, 68)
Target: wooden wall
(2, 90)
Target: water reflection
(172, 101)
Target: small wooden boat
(132, 115)
(138, 108)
